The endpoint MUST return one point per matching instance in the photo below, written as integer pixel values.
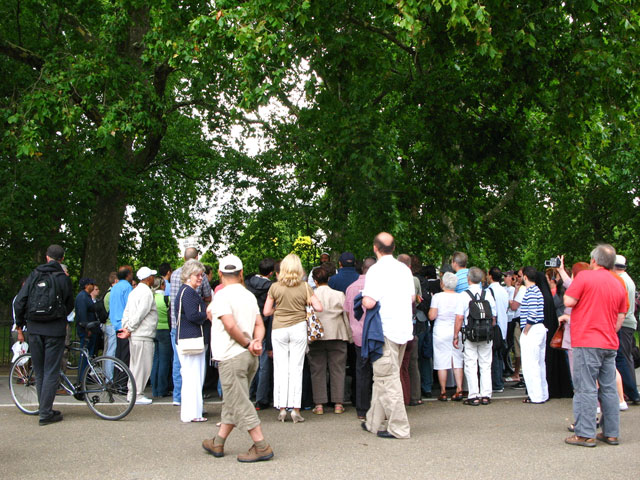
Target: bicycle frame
(68, 385)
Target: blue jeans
(425, 364)
(110, 350)
(265, 382)
(162, 359)
(177, 378)
(90, 344)
(589, 365)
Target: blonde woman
(289, 334)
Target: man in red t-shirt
(598, 301)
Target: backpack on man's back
(45, 301)
(479, 326)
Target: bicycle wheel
(22, 382)
(109, 396)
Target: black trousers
(46, 354)
(364, 383)
(122, 350)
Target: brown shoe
(256, 455)
(581, 441)
(215, 450)
(609, 440)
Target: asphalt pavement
(506, 439)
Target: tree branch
(21, 54)
(506, 198)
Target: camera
(552, 262)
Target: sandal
(338, 408)
(456, 397)
(443, 397)
(581, 441)
(485, 400)
(474, 402)
(318, 410)
(609, 440)
(528, 400)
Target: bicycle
(110, 398)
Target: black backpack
(479, 326)
(45, 303)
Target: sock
(261, 445)
(218, 440)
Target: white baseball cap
(621, 262)
(230, 264)
(145, 272)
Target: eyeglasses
(198, 275)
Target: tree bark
(101, 249)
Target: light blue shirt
(463, 282)
(117, 301)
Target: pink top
(356, 324)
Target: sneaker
(215, 450)
(498, 390)
(520, 385)
(256, 455)
(54, 418)
(623, 406)
(143, 401)
(176, 404)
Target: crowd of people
(388, 324)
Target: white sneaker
(176, 404)
(143, 401)
(623, 406)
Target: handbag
(188, 346)
(556, 340)
(315, 330)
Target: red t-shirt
(600, 299)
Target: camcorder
(552, 262)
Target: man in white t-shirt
(389, 284)
(237, 331)
(501, 297)
(476, 354)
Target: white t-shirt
(502, 305)
(233, 300)
(510, 291)
(519, 297)
(463, 301)
(390, 283)
(446, 304)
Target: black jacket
(53, 328)
(259, 286)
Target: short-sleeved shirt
(233, 300)
(390, 283)
(463, 300)
(502, 306)
(519, 297)
(532, 308)
(290, 308)
(446, 304)
(600, 298)
(463, 281)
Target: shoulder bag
(188, 346)
(315, 330)
(556, 340)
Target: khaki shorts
(516, 340)
(236, 375)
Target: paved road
(503, 440)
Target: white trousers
(532, 351)
(289, 346)
(141, 362)
(192, 370)
(478, 355)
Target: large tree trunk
(101, 249)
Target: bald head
(404, 258)
(191, 253)
(366, 265)
(384, 244)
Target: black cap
(347, 259)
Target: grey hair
(475, 275)
(189, 268)
(449, 280)
(604, 255)
(157, 283)
(460, 258)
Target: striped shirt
(532, 308)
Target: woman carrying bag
(193, 334)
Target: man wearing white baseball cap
(139, 323)
(237, 331)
